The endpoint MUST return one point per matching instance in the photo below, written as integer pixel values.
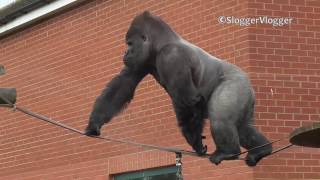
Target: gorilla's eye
(129, 43)
(144, 38)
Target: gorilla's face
(138, 49)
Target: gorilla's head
(146, 35)
(138, 42)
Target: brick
(290, 33)
(263, 1)
(295, 162)
(282, 52)
(280, 13)
(298, 40)
(305, 9)
(273, 45)
(290, 46)
(255, 5)
(265, 51)
(311, 175)
(257, 44)
(292, 123)
(295, 175)
(307, 34)
(313, 3)
(297, 2)
(281, 2)
(272, 6)
(288, 8)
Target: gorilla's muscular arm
(191, 122)
(118, 92)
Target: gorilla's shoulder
(175, 47)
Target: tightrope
(145, 146)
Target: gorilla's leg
(226, 107)
(250, 138)
(226, 139)
(191, 122)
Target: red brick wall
(60, 65)
(286, 60)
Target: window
(168, 173)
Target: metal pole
(179, 166)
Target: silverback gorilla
(200, 86)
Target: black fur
(200, 86)
(114, 97)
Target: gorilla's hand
(201, 150)
(199, 147)
(92, 130)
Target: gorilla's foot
(254, 157)
(201, 151)
(92, 130)
(219, 156)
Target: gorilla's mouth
(128, 61)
